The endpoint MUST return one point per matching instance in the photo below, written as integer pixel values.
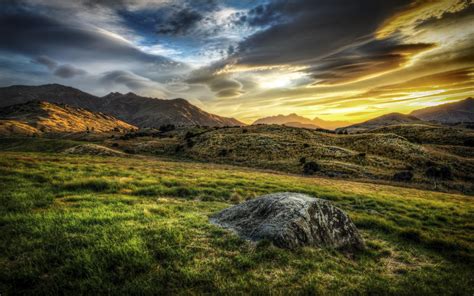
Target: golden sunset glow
(249, 60)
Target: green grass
(139, 225)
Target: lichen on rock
(291, 220)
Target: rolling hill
(365, 156)
(295, 120)
(381, 121)
(38, 117)
(458, 112)
(132, 108)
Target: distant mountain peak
(457, 112)
(394, 118)
(296, 120)
(114, 94)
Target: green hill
(139, 225)
(378, 155)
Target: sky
(333, 59)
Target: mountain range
(458, 112)
(452, 113)
(142, 112)
(38, 117)
(295, 120)
(131, 108)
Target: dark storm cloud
(314, 29)
(27, 33)
(333, 40)
(68, 71)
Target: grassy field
(139, 225)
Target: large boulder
(291, 220)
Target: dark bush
(469, 142)
(223, 152)
(167, 128)
(404, 176)
(440, 172)
(115, 145)
(189, 142)
(311, 167)
(244, 131)
(179, 148)
(362, 154)
(189, 135)
(302, 160)
(306, 145)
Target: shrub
(178, 148)
(189, 135)
(404, 176)
(362, 155)
(311, 167)
(306, 145)
(469, 142)
(440, 172)
(302, 160)
(223, 153)
(115, 145)
(167, 128)
(244, 131)
(189, 142)
(129, 151)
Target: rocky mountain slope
(147, 112)
(38, 117)
(295, 120)
(134, 109)
(462, 111)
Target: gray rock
(291, 220)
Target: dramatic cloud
(126, 78)
(49, 63)
(335, 59)
(180, 22)
(68, 71)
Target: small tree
(311, 167)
